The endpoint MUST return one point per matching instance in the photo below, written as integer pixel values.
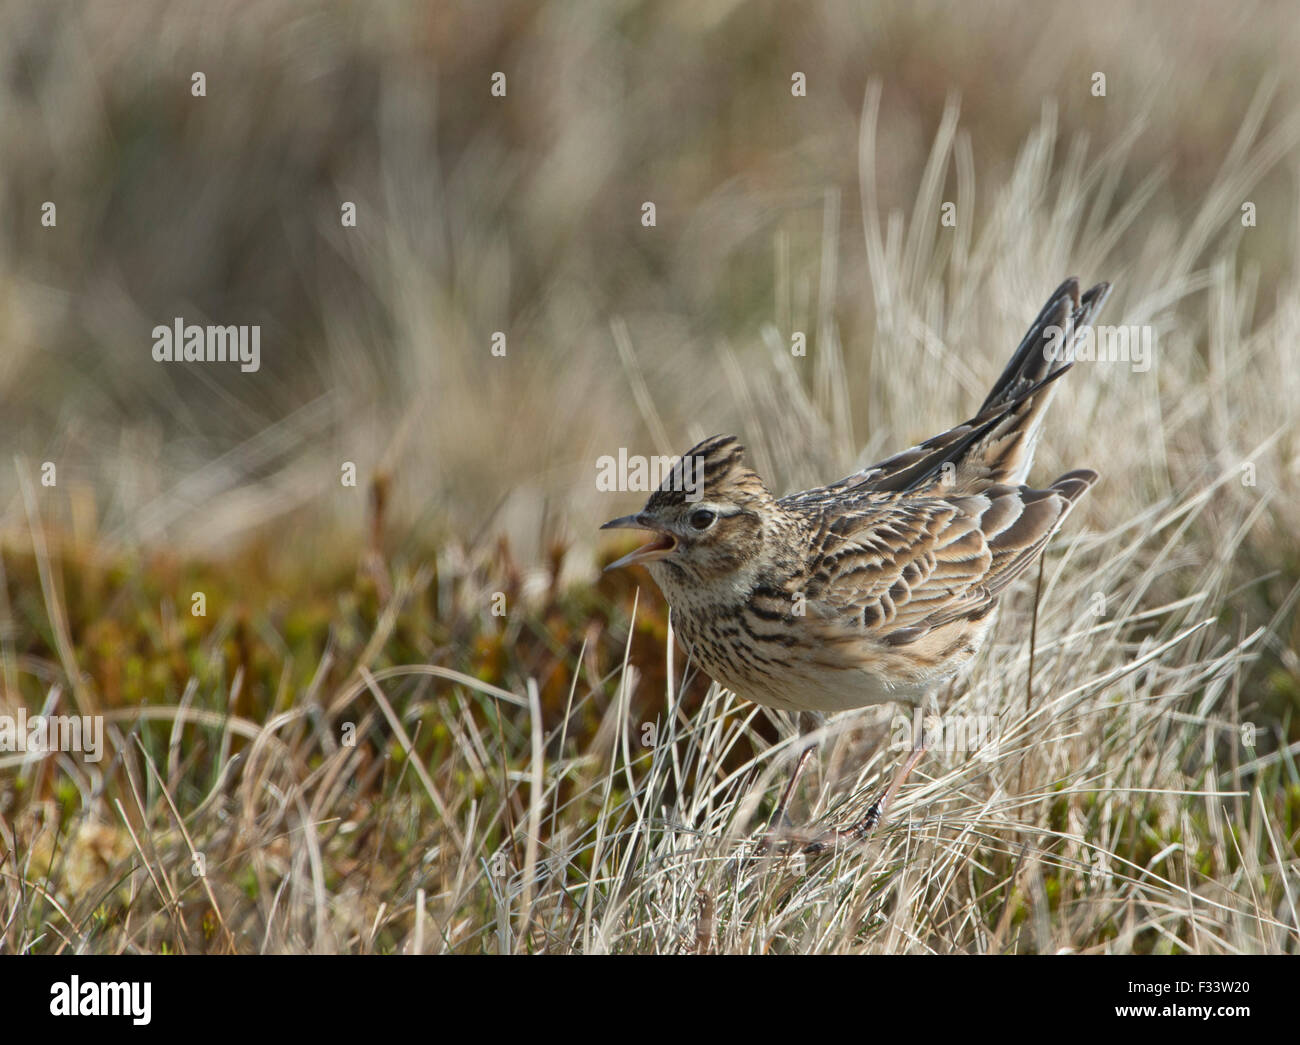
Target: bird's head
(707, 516)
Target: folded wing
(898, 569)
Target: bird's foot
(785, 842)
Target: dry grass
(558, 780)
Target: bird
(879, 587)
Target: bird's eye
(702, 518)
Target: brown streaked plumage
(880, 586)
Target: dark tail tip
(1066, 312)
(1073, 485)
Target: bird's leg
(776, 836)
(876, 811)
(874, 815)
(780, 819)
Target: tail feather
(948, 458)
(1073, 485)
(1047, 351)
(996, 446)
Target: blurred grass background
(522, 214)
(479, 214)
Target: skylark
(879, 587)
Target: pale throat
(696, 591)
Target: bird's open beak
(662, 545)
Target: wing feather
(900, 568)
